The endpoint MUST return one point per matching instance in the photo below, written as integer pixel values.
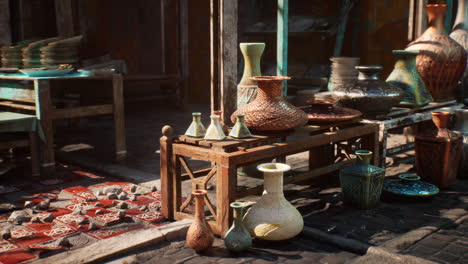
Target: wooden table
(34, 94)
(330, 148)
(403, 117)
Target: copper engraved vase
(442, 61)
(199, 234)
(438, 152)
(270, 111)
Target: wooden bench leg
(43, 91)
(225, 194)
(167, 194)
(371, 143)
(34, 148)
(119, 117)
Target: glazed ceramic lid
(409, 185)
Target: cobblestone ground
(444, 246)
(297, 250)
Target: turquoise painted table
(18, 91)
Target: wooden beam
(82, 111)
(5, 26)
(282, 42)
(183, 52)
(214, 55)
(65, 18)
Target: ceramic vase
(441, 62)
(221, 120)
(247, 88)
(362, 183)
(199, 234)
(238, 238)
(273, 217)
(215, 130)
(406, 77)
(196, 128)
(343, 72)
(240, 129)
(270, 111)
(370, 95)
(438, 152)
(461, 125)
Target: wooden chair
(16, 123)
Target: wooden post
(165, 153)
(224, 49)
(282, 42)
(183, 37)
(65, 18)
(420, 18)
(119, 117)
(5, 26)
(43, 109)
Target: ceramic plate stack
(65, 51)
(32, 54)
(12, 56)
(343, 72)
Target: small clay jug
(199, 235)
(238, 238)
(240, 130)
(438, 152)
(196, 128)
(215, 130)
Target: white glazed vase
(215, 130)
(273, 217)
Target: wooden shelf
(330, 33)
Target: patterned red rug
(79, 210)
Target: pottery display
(215, 130)
(438, 152)
(343, 72)
(238, 238)
(273, 217)
(370, 95)
(240, 129)
(269, 111)
(460, 27)
(247, 88)
(199, 235)
(325, 111)
(461, 125)
(196, 128)
(406, 77)
(410, 186)
(442, 61)
(362, 183)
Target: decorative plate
(325, 111)
(45, 73)
(410, 185)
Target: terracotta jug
(442, 61)
(270, 111)
(438, 152)
(199, 234)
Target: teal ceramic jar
(406, 76)
(362, 183)
(238, 238)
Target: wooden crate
(330, 148)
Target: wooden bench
(16, 123)
(330, 148)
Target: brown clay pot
(438, 153)
(199, 234)
(442, 61)
(270, 111)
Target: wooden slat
(194, 152)
(17, 94)
(18, 106)
(14, 144)
(81, 111)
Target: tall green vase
(247, 89)
(238, 238)
(362, 183)
(406, 77)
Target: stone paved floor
(444, 246)
(297, 250)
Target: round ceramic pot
(369, 95)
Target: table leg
(43, 110)
(119, 117)
(165, 154)
(225, 193)
(371, 142)
(34, 149)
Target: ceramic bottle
(362, 183)
(438, 152)
(247, 88)
(406, 77)
(238, 238)
(199, 235)
(196, 128)
(273, 217)
(240, 130)
(215, 130)
(442, 61)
